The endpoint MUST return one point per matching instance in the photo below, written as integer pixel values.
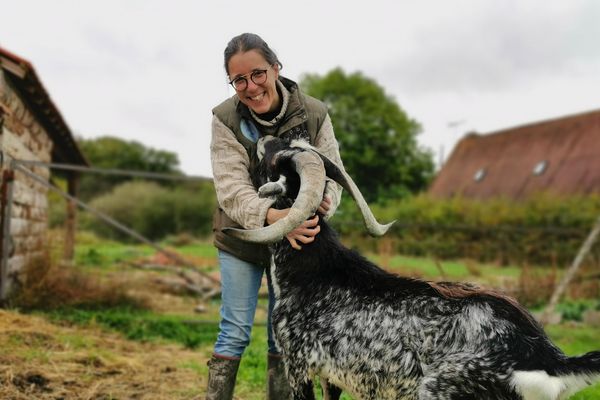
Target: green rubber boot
(278, 387)
(221, 377)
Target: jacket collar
(292, 110)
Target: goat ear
(263, 145)
(340, 176)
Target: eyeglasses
(258, 76)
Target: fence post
(6, 191)
(71, 220)
(562, 286)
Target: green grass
(200, 249)
(453, 269)
(108, 256)
(200, 334)
(143, 325)
(576, 340)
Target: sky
(151, 70)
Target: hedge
(543, 230)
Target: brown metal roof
(23, 76)
(570, 146)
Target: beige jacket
(236, 194)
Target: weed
(47, 286)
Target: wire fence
(211, 284)
(501, 243)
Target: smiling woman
(259, 92)
(265, 104)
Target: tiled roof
(22, 74)
(560, 155)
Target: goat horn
(340, 176)
(312, 185)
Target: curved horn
(312, 185)
(340, 176)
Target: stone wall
(23, 138)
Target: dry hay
(40, 360)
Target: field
(159, 350)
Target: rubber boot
(221, 377)
(278, 387)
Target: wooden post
(71, 218)
(570, 274)
(5, 213)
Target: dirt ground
(41, 360)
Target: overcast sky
(152, 70)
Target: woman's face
(263, 97)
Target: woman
(265, 103)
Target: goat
(382, 336)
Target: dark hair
(246, 42)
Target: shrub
(154, 211)
(545, 229)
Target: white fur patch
(538, 385)
(274, 283)
(302, 144)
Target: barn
(31, 129)
(559, 156)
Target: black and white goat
(382, 336)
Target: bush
(544, 230)
(154, 211)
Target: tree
(377, 139)
(114, 153)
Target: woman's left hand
(325, 205)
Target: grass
(573, 338)
(109, 256)
(143, 325)
(196, 335)
(46, 361)
(453, 269)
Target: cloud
(500, 45)
(152, 70)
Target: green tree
(114, 153)
(377, 139)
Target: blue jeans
(240, 282)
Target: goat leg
(304, 391)
(330, 391)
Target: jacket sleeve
(235, 193)
(327, 144)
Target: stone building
(31, 129)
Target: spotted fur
(382, 336)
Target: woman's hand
(325, 206)
(305, 233)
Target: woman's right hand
(305, 233)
